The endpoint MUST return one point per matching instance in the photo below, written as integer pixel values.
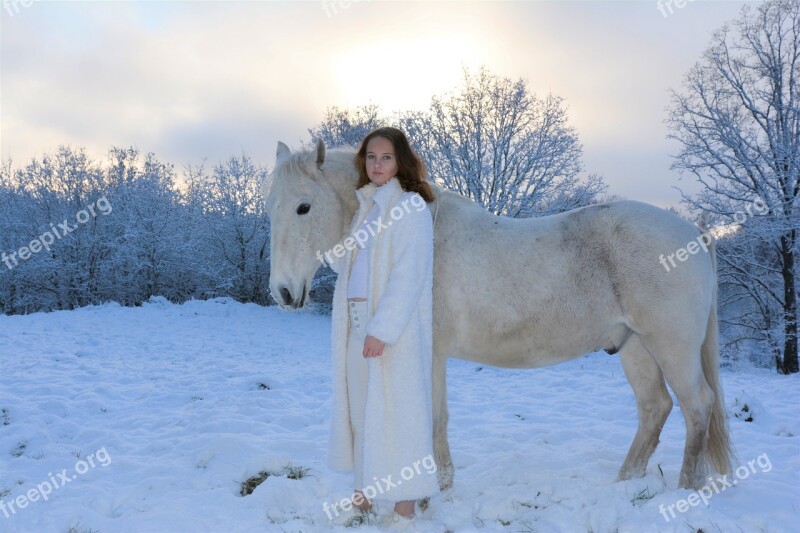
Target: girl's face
(381, 160)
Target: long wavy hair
(411, 171)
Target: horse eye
(302, 209)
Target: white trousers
(357, 383)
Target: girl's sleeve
(412, 256)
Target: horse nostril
(286, 295)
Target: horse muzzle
(287, 300)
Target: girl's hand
(373, 347)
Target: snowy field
(149, 419)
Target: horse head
(309, 198)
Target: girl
(382, 416)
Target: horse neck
(343, 179)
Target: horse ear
(282, 152)
(320, 153)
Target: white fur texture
(398, 415)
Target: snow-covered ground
(157, 414)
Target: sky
(195, 80)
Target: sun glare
(403, 75)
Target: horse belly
(526, 344)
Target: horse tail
(720, 448)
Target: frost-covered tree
(47, 196)
(496, 142)
(492, 141)
(750, 282)
(737, 120)
(13, 201)
(344, 127)
(240, 229)
(150, 242)
(149, 235)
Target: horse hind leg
(653, 404)
(441, 446)
(679, 360)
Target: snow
(177, 405)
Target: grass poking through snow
(289, 471)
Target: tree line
(200, 237)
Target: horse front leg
(441, 447)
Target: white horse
(541, 291)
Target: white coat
(398, 413)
